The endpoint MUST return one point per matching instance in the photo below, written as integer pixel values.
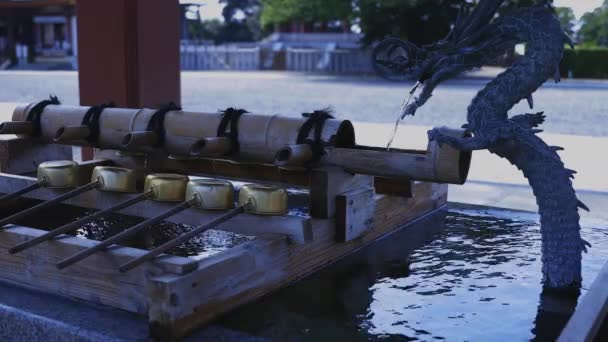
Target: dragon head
(469, 43)
(397, 59)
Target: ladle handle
(76, 224)
(181, 239)
(20, 192)
(44, 205)
(122, 236)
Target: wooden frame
(590, 312)
(178, 294)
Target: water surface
(477, 279)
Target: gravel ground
(572, 107)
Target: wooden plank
(590, 312)
(219, 282)
(393, 187)
(266, 265)
(20, 155)
(354, 214)
(298, 228)
(327, 183)
(95, 279)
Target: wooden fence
(339, 61)
(204, 57)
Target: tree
(594, 30)
(210, 29)
(241, 21)
(420, 22)
(566, 18)
(309, 11)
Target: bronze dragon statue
(476, 39)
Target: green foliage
(241, 23)
(420, 21)
(284, 11)
(585, 63)
(594, 30)
(211, 28)
(566, 18)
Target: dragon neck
(544, 39)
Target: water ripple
(481, 277)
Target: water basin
(473, 275)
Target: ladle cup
(51, 174)
(113, 179)
(67, 177)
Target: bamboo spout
(141, 140)
(439, 164)
(17, 127)
(72, 133)
(293, 155)
(211, 147)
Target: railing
(203, 57)
(339, 61)
(328, 59)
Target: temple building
(32, 28)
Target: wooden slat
(298, 228)
(590, 312)
(96, 279)
(354, 214)
(182, 303)
(327, 183)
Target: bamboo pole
(293, 155)
(211, 147)
(139, 141)
(261, 139)
(17, 127)
(259, 136)
(68, 134)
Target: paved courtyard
(572, 107)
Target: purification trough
(356, 194)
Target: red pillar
(128, 52)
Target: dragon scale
(515, 140)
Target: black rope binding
(157, 121)
(315, 120)
(35, 114)
(91, 119)
(231, 116)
